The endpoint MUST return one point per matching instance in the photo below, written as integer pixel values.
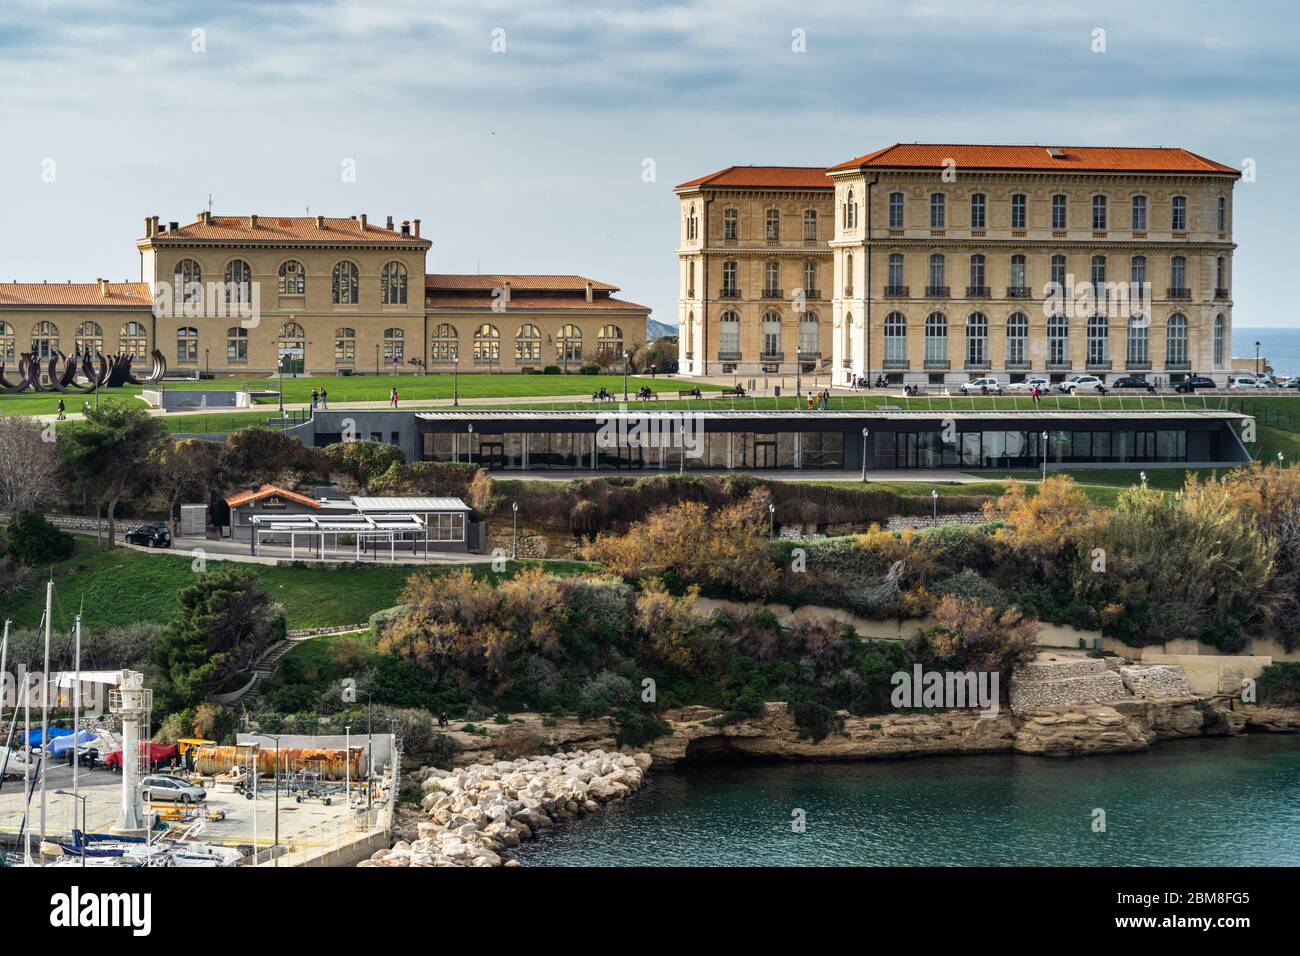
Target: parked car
(159, 789)
(1193, 382)
(151, 536)
(1246, 381)
(1076, 382)
(1132, 381)
(980, 384)
(1028, 384)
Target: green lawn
(120, 586)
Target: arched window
(936, 340)
(45, 339)
(1017, 340)
(1137, 355)
(729, 333)
(133, 340)
(772, 280)
(187, 345)
(7, 340)
(771, 335)
(809, 335)
(847, 343)
(343, 284)
(848, 274)
(609, 344)
(443, 347)
(850, 211)
(392, 284)
(528, 343)
(895, 340)
(293, 278)
(690, 222)
(977, 340)
(89, 339)
(189, 281)
(345, 346)
(1098, 341)
(1058, 341)
(291, 348)
(239, 282)
(937, 286)
(690, 334)
(568, 347)
(690, 279)
(1220, 339)
(237, 346)
(1176, 342)
(487, 345)
(394, 347)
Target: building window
(1176, 341)
(1019, 277)
(1058, 340)
(1017, 340)
(444, 344)
(895, 340)
(937, 209)
(1058, 212)
(977, 210)
(189, 277)
(1018, 216)
(45, 340)
(809, 334)
(729, 334)
(1099, 213)
(895, 210)
(239, 282)
(609, 344)
(729, 280)
(344, 290)
(345, 346)
(771, 335)
(392, 284)
(293, 278)
(773, 230)
(7, 340)
(848, 274)
(810, 280)
(1223, 214)
(291, 348)
(690, 223)
(977, 340)
(936, 274)
(771, 279)
(1098, 276)
(894, 271)
(487, 345)
(133, 340)
(569, 345)
(936, 338)
(846, 343)
(730, 224)
(850, 212)
(1137, 272)
(977, 273)
(1220, 339)
(394, 347)
(89, 339)
(1220, 276)
(1098, 340)
(1178, 214)
(810, 225)
(690, 279)
(1139, 213)
(1136, 354)
(528, 344)
(1058, 273)
(237, 346)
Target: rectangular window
(810, 225)
(1223, 214)
(937, 211)
(1179, 214)
(730, 225)
(895, 210)
(1018, 211)
(1139, 213)
(1099, 213)
(1058, 212)
(977, 211)
(773, 225)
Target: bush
(380, 620)
(637, 728)
(1279, 684)
(31, 540)
(814, 719)
(552, 370)
(614, 689)
(591, 368)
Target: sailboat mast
(45, 700)
(76, 721)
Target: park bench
(732, 393)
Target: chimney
(415, 227)
(363, 222)
(505, 291)
(103, 288)
(589, 296)
(207, 217)
(320, 222)
(252, 221)
(390, 224)
(148, 227)
(406, 227)
(173, 226)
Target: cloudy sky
(531, 159)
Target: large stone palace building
(246, 295)
(940, 263)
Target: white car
(1076, 382)
(988, 381)
(1028, 384)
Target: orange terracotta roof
(1122, 159)
(765, 177)
(84, 294)
(557, 283)
(267, 491)
(532, 303)
(284, 229)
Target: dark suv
(1193, 382)
(1132, 381)
(151, 536)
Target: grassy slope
(122, 585)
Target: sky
(547, 135)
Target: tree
(183, 468)
(29, 465)
(108, 451)
(226, 620)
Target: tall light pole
(514, 529)
(771, 511)
(798, 371)
(934, 497)
(470, 432)
(276, 778)
(1257, 360)
(865, 433)
(624, 376)
(1143, 476)
(455, 379)
(1044, 456)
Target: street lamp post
(1044, 456)
(514, 529)
(771, 511)
(1257, 360)
(82, 798)
(276, 779)
(625, 377)
(376, 360)
(798, 372)
(455, 380)
(1143, 476)
(1280, 456)
(934, 497)
(865, 433)
(470, 432)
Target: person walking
(63, 412)
(313, 399)
(392, 398)
(324, 401)
(1035, 394)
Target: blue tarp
(34, 737)
(63, 743)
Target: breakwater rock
(476, 812)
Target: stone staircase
(264, 666)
